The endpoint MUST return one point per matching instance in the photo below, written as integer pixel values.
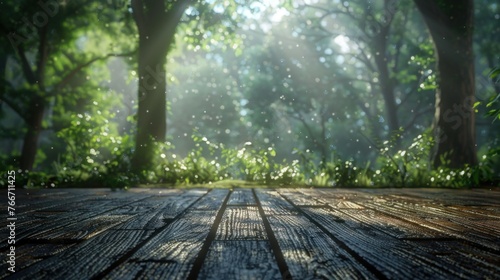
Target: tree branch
(78, 68)
(416, 116)
(397, 56)
(365, 58)
(13, 105)
(25, 65)
(175, 13)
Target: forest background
(323, 93)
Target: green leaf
(495, 72)
(272, 153)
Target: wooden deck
(254, 234)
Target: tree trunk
(379, 51)
(387, 87)
(156, 28)
(451, 26)
(34, 123)
(37, 103)
(151, 114)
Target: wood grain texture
(273, 203)
(299, 198)
(149, 270)
(189, 230)
(29, 254)
(310, 253)
(390, 256)
(213, 200)
(323, 233)
(241, 223)
(80, 231)
(241, 197)
(390, 225)
(437, 218)
(156, 211)
(170, 254)
(69, 217)
(240, 260)
(84, 260)
(474, 262)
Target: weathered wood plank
(27, 228)
(335, 199)
(29, 202)
(395, 259)
(311, 254)
(29, 254)
(241, 197)
(156, 211)
(273, 204)
(332, 193)
(149, 270)
(478, 263)
(241, 223)
(37, 200)
(240, 260)
(85, 260)
(324, 233)
(470, 197)
(171, 253)
(441, 221)
(30, 227)
(177, 246)
(390, 225)
(212, 201)
(488, 212)
(300, 199)
(192, 227)
(79, 231)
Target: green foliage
(250, 164)
(93, 146)
(493, 104)
(210, 163)
(193, 169)
(405, 168)
(245, 70)
(259, 166)
(425, 60)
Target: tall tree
(450, 23)
(382, 38)
(32, 36)
(156, 22)
(42, 39)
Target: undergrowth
(108, 165)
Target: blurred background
(297, 87)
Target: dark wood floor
(254, 234)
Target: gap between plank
(280, 258)
(200, 259)
(340, 243)
(31, 240)
(452, 236)
(130, 253)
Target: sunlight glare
(343, 42)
